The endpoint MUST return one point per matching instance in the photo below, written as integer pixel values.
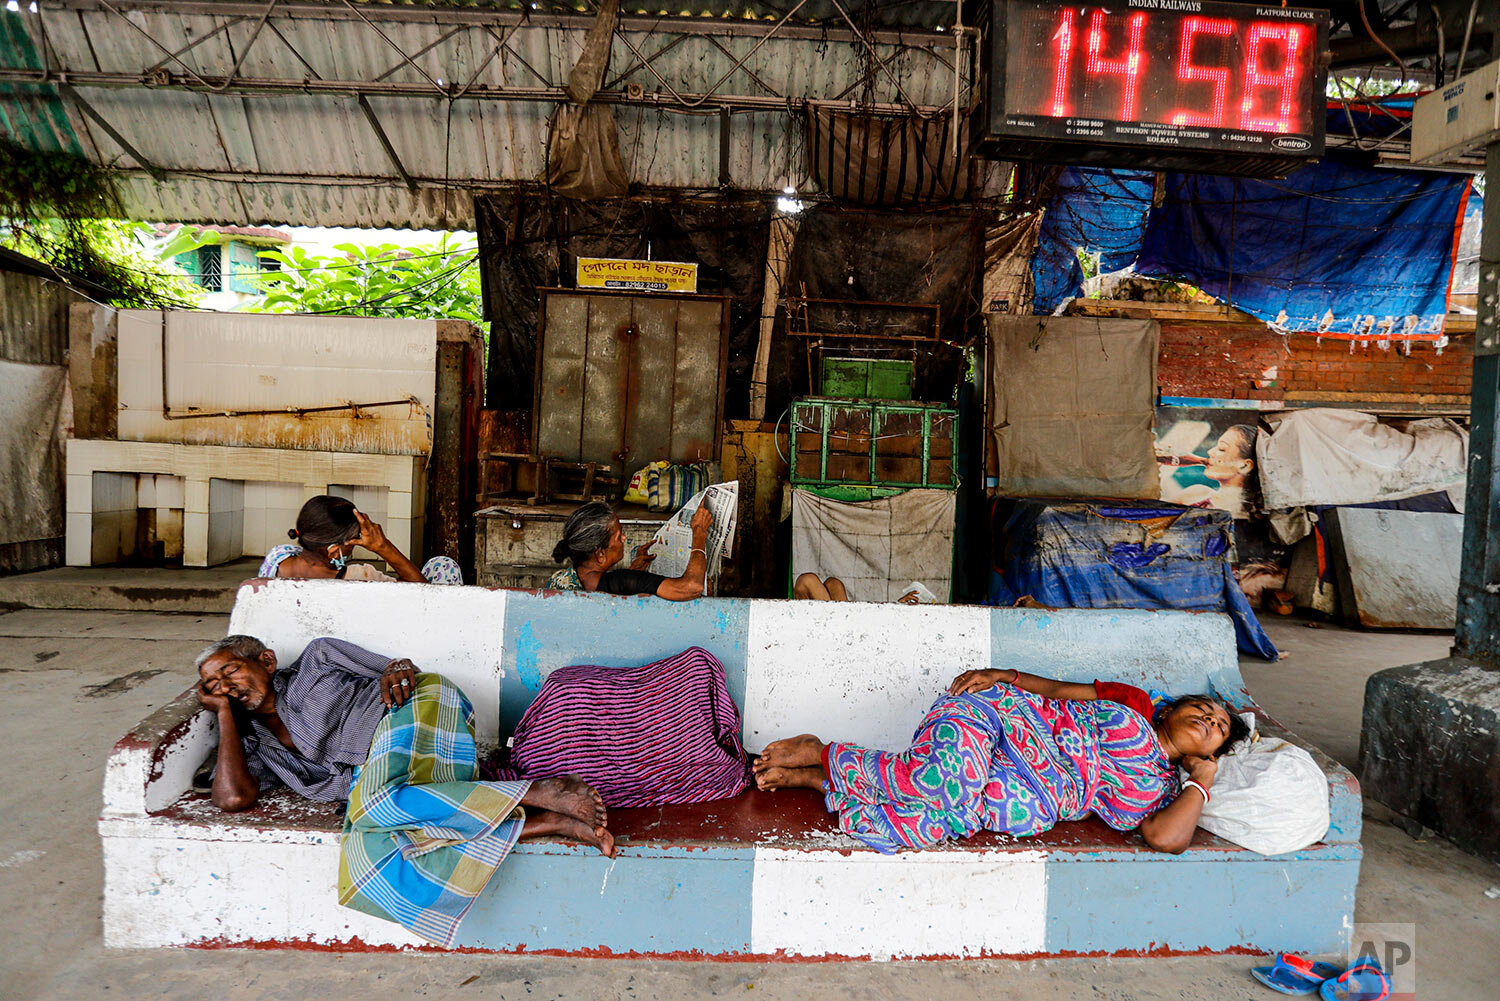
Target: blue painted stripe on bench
(1117, 645)
(696, 903)
(545, 633)
(679, 901)
(1285, 902)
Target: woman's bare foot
(547, 823)
(569, 796)
(802, 751)
(776, 777)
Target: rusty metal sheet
(560, 375)
(656, 353)
(34, 319)
(258, 380)
(698, 400)
(605, 389)
(628, 379)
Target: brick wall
(1247, 361)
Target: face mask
(338, 562)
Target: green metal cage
(873, 443)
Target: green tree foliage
(63, 210)
(1353, 87)
(441, 280)
(143, 277)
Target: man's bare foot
(776, 777)
(793, 752)
(549, 824)
(569, 796)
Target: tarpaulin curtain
(1098, 211)
(1069, 406)
(530, 240)
(1324, 456)
(33, 399)
(1067, 554)
(1466, 264)
(583, 155)
(1008, 248)
(877, 547)
(1335, 249)
(37, 411)
(867, 160)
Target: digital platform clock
(1189, 85)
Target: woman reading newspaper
(593, 543)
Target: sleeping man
(421, 834)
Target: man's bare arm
(234, 788)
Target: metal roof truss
(379, 115)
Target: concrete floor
(196, 590)
(72, 682)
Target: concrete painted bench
(765, 875)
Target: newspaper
(673, 543)
(921, 594)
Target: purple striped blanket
(643, 736)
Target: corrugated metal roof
(33, 116)
(313, 158)
(879, 13)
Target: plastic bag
(1269, 796)
(637, 491)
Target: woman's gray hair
(242, 646)
(586, 531)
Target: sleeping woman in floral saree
(1012, 752)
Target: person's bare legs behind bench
(810, 587)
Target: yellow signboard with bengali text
(637, 276)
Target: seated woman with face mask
(329, 529)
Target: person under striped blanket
(422, 835)
(1016, 753)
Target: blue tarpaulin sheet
(1370, 119)
(1335, 249)
(1097, 210)
(1068, 554)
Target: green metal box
(873, 443)
(868, 378)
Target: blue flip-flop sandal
(1364, 981)
(1294, 975)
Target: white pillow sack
(1269, 796)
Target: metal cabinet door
(630, 379)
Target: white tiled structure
(112, 500)
(223, 424)
(220, 488)
(270, 509)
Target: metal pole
(426, 15)
(1477, 634)
(351, 88)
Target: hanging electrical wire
(1381, 42)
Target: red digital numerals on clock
(1228, 73)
